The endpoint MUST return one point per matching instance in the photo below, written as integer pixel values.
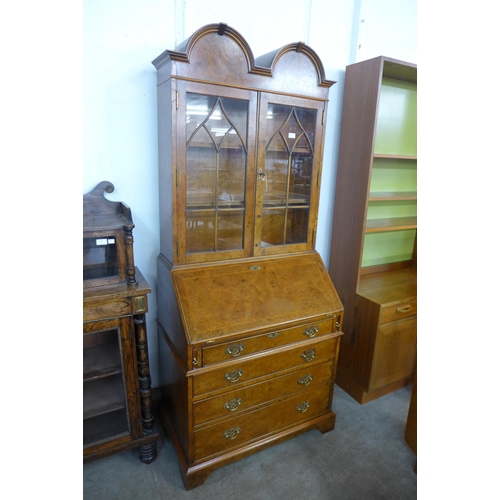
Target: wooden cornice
(263, 66)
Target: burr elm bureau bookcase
(249, 319)
(117, 399)
(373, 258)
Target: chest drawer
(246, 370)
(398, 311)
(270, 340)
(242, 429)
(239, 400)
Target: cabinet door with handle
(289, 169)
(215, 178)
(395, 352)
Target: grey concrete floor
(364, 458)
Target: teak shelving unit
(373, 257)
(249, 319)
(117, 399)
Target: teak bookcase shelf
(248, 317)
(373, 258)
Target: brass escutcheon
(139, 304)
(254, 268)
(305, 380)
(311, 331)
(302, 407)
(233, 404)
(273, 335)
(231, 433)
(309, 354)
(233, 376)
(235, 350)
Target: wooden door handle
(403, 309)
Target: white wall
(122, 37)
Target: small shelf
(105, 222)
(395, 224)
(393, 196)
(101, 361)
(105, 427)
(211, 208)
(394, 157)
(278, 198)
(103, 395)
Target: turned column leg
(147, 452)
(129, 256)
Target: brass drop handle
(305, 380)
(233, 404)
(235, 350)
(302, 407)
(309, 354)
(233, 376)
(231, 433)
(403, 309)
(311, 331)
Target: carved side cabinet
(117, 399)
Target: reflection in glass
(230, 230)
(273, 225)
(289, 162)
(216, 159)
(105, 412)
(100, 257)
(200, 231)
(296, 225)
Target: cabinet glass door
(288, 164)
(217, 156)
(105, 413)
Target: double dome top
(219, 54)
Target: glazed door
(110, 387)
(288, 174)
(216, 130)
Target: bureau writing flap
(253, 294)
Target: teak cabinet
(117, 399)
(373, 258)
(248, 316)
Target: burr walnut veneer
(248, 316)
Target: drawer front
(270, 340)
(398, 311)
(234, 402)
(245, 370)
(234, 432)
(95, 310)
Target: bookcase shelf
(393, 196)
(396, 224)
